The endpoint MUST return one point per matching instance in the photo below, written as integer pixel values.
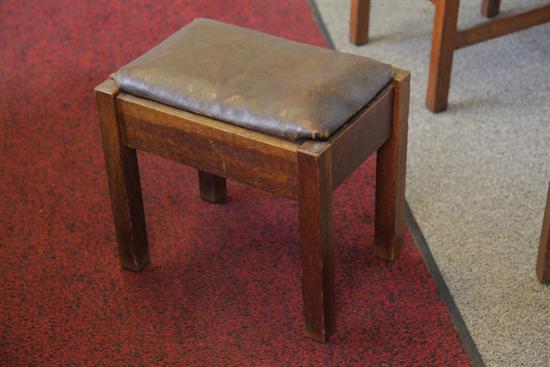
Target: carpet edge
(442, 289)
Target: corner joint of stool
(399, 75)
(107, 87)
(314, 148)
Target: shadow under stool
(285, 117)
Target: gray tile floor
(478, 173)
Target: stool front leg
(315, 207)
(213, 188)
(122, 170)
(391, 167)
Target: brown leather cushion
(255, 80)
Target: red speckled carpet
(224, 284)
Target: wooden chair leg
(543, 260)
(212, 187)
(390, 177)
(124, 184)
(490, 8)
(359, 22)
(315, 202)
(441, 59)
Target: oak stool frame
(307, 171)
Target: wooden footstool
(285, 117)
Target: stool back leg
(122, 170)
(391, 169)
(315, 208)
(212, 187)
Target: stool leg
(543, 259)
(315, 202)
(390, 176)
(490, 8)
(122, 170)
(441, 58)
(359, 22)
(212, 187)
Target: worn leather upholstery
(255, 80)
